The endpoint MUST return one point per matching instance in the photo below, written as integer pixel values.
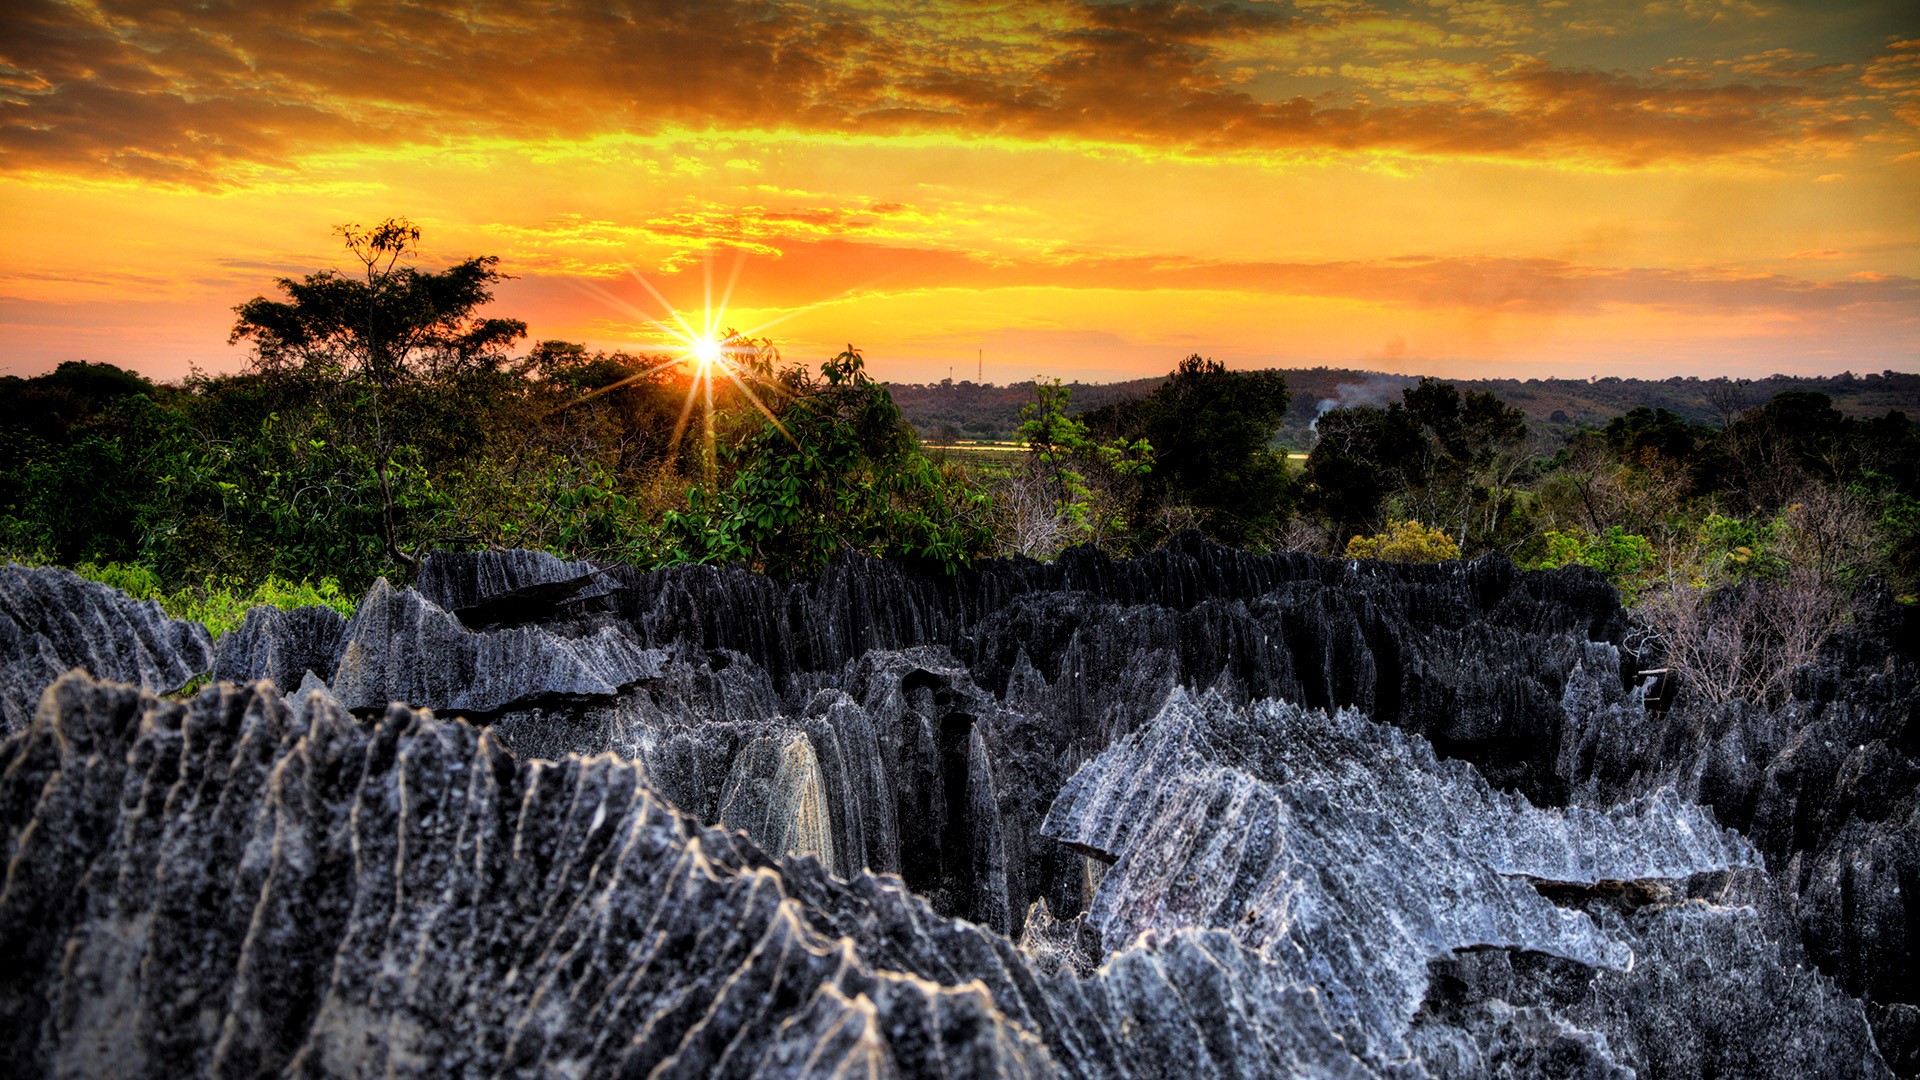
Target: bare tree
(1728, 398)
(1741, 642)
(1764, 466)
(1829, 536)
(1027, 516)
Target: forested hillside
(945, 411)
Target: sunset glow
(1083, 189)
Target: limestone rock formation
(1203, 812)
(1354, 859)
(52, 620)
(489, 588)
(1825, 784)
(281, 646)
(1522, 675)
(238, 884)
(401, 647)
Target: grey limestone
(53, 620)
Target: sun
(708, 351)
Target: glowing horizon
(1079, 189)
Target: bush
(219, 608)
(1743, 640)
(1405, 541)
(1625, 559)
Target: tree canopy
(1212, 433)
(1437, 456)
(391, 324)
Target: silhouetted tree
(398, 323)
(361, 341)
(1437, 456)
(1212, 434)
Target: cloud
(146, 90)
(1172, 21)
(791, 264)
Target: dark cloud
(237, 82)
(1190, 22)
(191, 94)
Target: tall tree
(1212, 434)
(389, 324)
(363, 339)
(1437, 456)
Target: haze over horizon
(1466, 189)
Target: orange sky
(1090, 190)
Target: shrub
(1741, 641)
(218, 607)
(1625, 559)
(1404, 541)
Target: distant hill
(947, 410)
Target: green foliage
(1212, 432)
(85, 491)
(1898, 530)
(840, 471)
(1643, 430)
(1065, 458)
(1404, 541)
(1436, 455)
(1627, 560)
(218, 607)
(1733, 548)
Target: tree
(1660, 431)
(1404, 541)
(1212, 433)
(1726, 397)
(363, 342)
(838, 470)
(1627, 560)
(1436, 456)
(83, 450)
(1066, 493)
(1353, 467)
(397, 324)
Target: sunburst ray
(705, 350)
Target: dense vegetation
(383, 416)
(947, 411)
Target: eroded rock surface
(1469, 730)
(1826, 785)
(281, 646)
(1355, 860)
(53, 620)
(401, 647)
(237, 884)
(490, 588)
